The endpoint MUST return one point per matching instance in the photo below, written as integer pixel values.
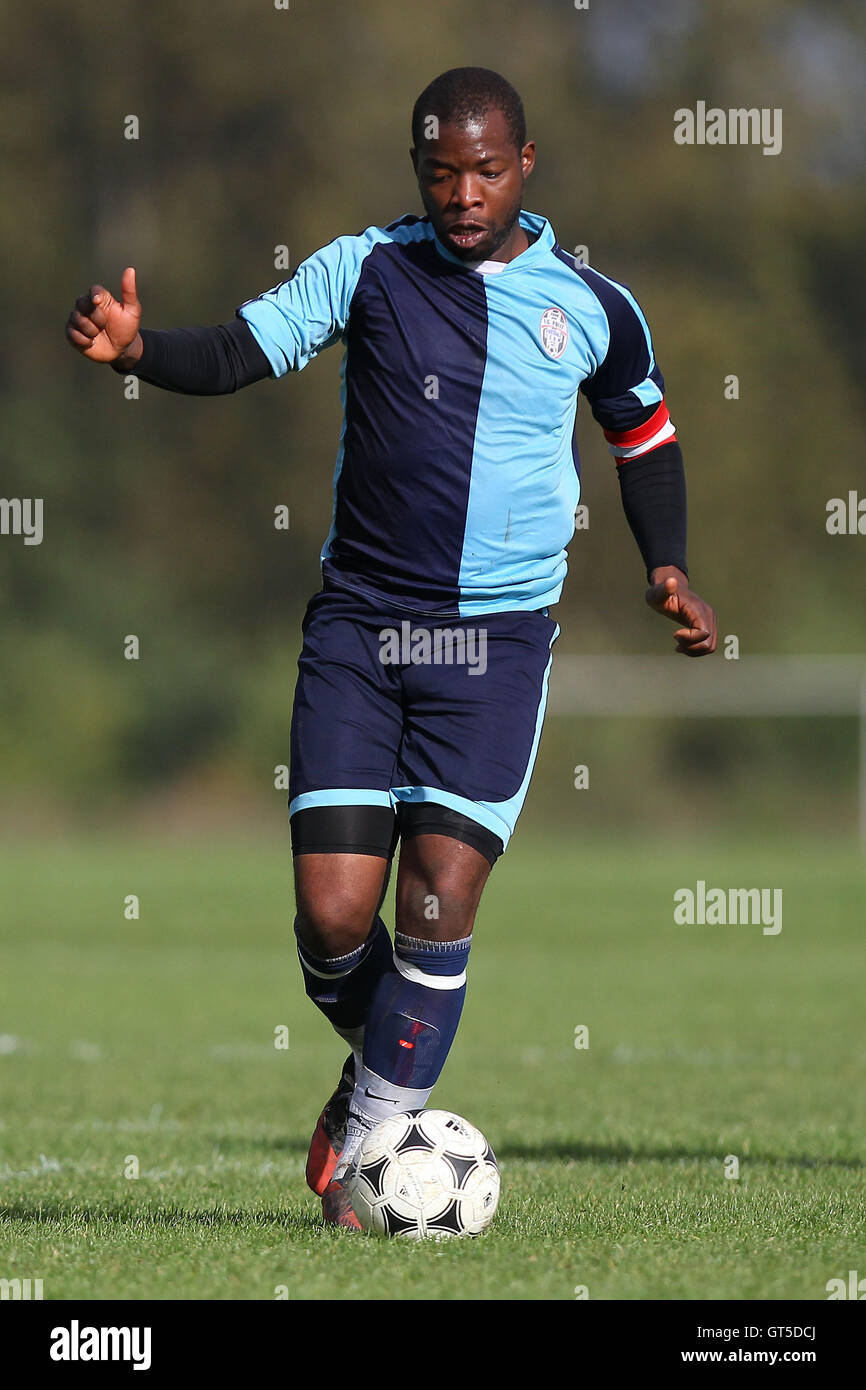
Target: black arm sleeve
(200, 361)
(653, 491)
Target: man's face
(471, 181)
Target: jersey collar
(531, 222)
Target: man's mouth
(466, 234)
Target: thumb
(128, 293)
(658, 593)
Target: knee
(333, 923)
(439, 900)
(337, 898)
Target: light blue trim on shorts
(339, 796)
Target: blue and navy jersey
(457, 475)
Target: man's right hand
(104, 329)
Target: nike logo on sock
(373, 1096)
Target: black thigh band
(375, 830)
(429, 818)
(345, 830)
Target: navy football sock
(411, 1023)
(343, 986)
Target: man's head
(471, 159)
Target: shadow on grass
(568, 1151)
(564, 1151)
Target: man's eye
(492, 173)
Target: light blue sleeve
(294, 321)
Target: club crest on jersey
(554, 332)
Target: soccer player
(469, 334)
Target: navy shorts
(427, 723)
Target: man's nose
(467, 191)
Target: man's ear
(413, 155)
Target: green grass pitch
(153, 1040)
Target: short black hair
(460, 94)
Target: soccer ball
(425, 1173)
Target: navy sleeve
(200, 361)
(627, 385)
(626, 395)
(653, 489)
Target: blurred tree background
(262, 127)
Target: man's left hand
(670, 594)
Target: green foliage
(261, 128)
